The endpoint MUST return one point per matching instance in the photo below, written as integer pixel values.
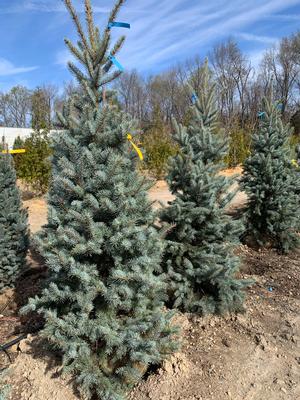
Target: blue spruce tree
(273, 209)
(102, 304)
(13, 226)
(199, 261)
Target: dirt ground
(251, 356)
(159, 193)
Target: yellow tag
(295, 164)
(140, 154)
(17, 151)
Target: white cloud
(47, 6)
(7, 68)
(181, 28)
(286, 17)
(167, 30)
(63, 56)
(256, 38)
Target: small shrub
(159, 147)
(239, 147)
(18, 143)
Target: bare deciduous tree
(15, 107)
(132, 94)
(282, 64)
(234, 74)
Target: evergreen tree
(13, 226)
(18, 143)
(34, 166)
(199, 260)
(103, 304)
(40, 110)
(273, 209)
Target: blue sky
(163, 33)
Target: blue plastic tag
(118, 25)
(260, 114)
(107, 66)
(194, 98)
(116, 63)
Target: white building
(10, 134)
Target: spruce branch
(90, 23)
(78, 74)
(118, 45)
(74, 51)
(115, 10)
(77, 23)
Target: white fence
(10, 134)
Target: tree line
(240, 88)
(154, 100)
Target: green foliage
(294, 144)
(158, 145)
(102, 304)
(2, 144)
(273, 209)
(295, 123)
(40, 110)
(239, 147)
(18, 143)
(199, 260)
(297, 154)
(13, 226)
(34, 167)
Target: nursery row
(116, 268)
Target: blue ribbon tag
(260, 114)
(194, 98)
(119, 25)
(116, 62)
(107, 66)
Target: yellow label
(140, 154)
(295, 164)
(17, 151)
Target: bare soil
(250, 356)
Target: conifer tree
(199, 261)
(13, 226)
(34, 167)
(103, 304)
(273, 209)
(18, 143)
(40, 110)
